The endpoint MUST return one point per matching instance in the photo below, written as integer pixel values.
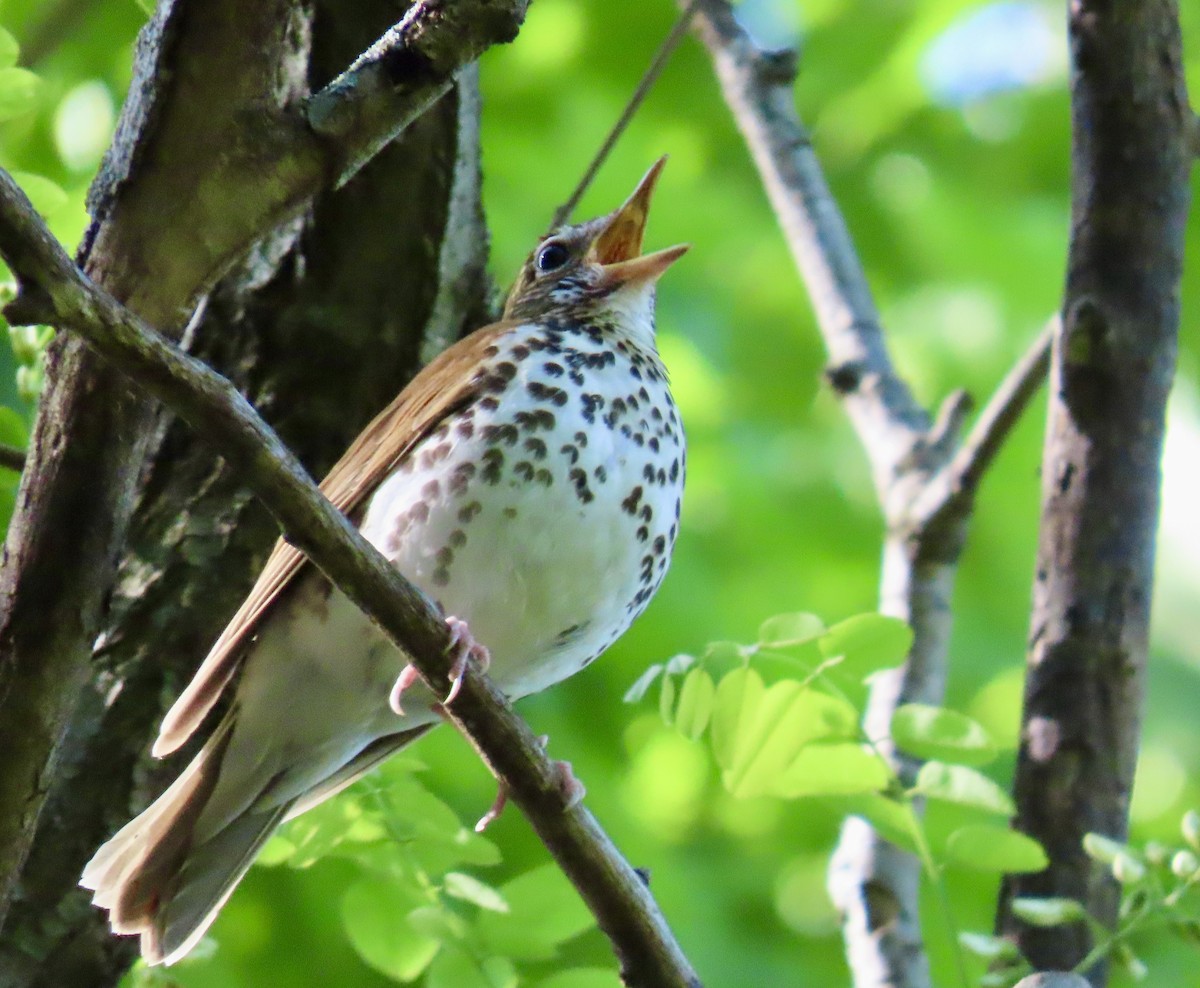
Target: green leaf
(46, 197)
(893, 818)
(582, 977)
(1103, 849)
(695, 703)
(789, 629)
(831, 770)
(789, 718)
(375, 915)
(18, 92)
(471, 889)
(454, 968)
(721, 657)
(934, 732)
(989, 847)
(438, 923)
(544, 911)
(666, 699)
(1047, 912)
(642, 684)
(990, 948)
(500, 972)
(962, 785)
(9, 49)
(1189, 826)
(735, 703)
(867, 643)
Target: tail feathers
(203, 885)
(151, 878)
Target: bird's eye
(551, 257)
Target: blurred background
(943, 129)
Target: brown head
(586, 268)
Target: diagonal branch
(758, 88)
(55, 292)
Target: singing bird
(528, 480)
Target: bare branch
(758, 88)
(55, 292)
(657, 64)
(951, 490)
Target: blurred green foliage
(943, 127)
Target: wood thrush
(528, 480)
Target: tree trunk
(1113, 362)
(320, 326)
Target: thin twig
(1003, 411)
(53, 291)
(657, 64)
(12, 457)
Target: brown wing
(442, 386)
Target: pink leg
(463, 648)
(571, 788)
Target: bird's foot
(571, 789)
(463, 648)
(495, 809)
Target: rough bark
(322, 325)
(1112, 367)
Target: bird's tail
(155, 881)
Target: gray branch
(924, 479)
(53, 291)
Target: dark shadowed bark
(321, 326)
(1112, 368)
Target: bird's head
(595, 268)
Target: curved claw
(463, 648)
(407, 677)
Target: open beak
(618, 246)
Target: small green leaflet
(988, 847)
(783, 630)
(470, 889)
(867, 643)
(1047, 912)
(375, 914)
(832, 770)
(964, 786)
(18, 92)
(695, 704)
(935, 732)
(544, 911)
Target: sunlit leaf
(789, 629)
(18, 92)
(9, 49)
(867, 643)
(935, 732)
(990, 948)
(893, 818)
(833, 769)
(544, 911)
(582, 977)
(375, 916)
(471, 889)
(963, 785)
(666, 699)
(1047, 911)
(695, 703)
(439, 923)
(1103, 849)
(455, 968)
(737, 697)
(989, 847)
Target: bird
(528, 480)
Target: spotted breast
(528, 480)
